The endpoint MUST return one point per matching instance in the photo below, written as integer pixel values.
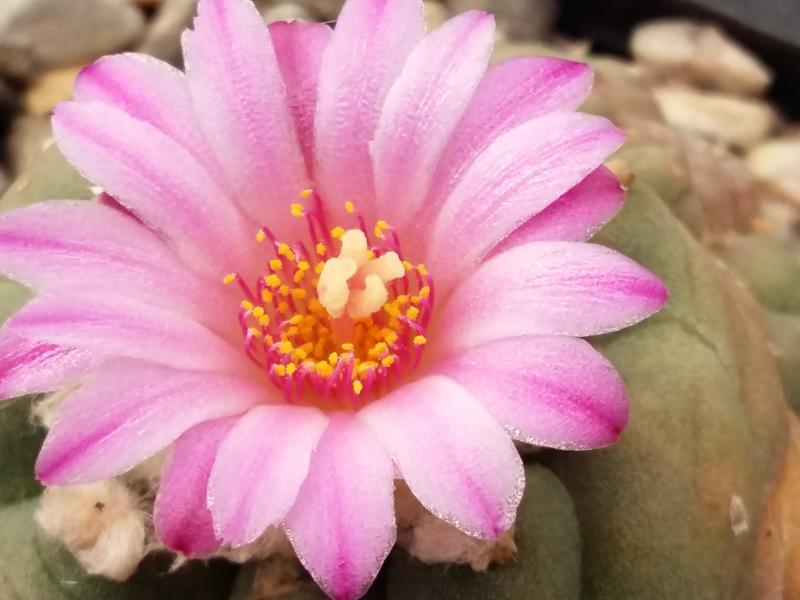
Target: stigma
(340, 325)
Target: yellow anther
(412, 312)
(295, 320)
(254, 331)
(299, 354)
(370, 255)
(348, 206)
(333, 358)
(382, 224)
(407, 265)
(380, 347)
(391, 310)
(298, 276)
(291, 369)
(320, 249)
(337, 232)
(284, 290)
(391, 337)
(378, 231)
(318, 268)
(273, 281)
(247, 305)
(280, 370)
(263, 320)
(365, 366)
(323, 368)
(276, 264)
(286, 251)
(283, 308)
(422, 270)
(306, 193)
(402, 299)
(297, 210)
(266, 296)
(292, 331)
(425, 292)
(229, 278)
(285, 347)
(358, 387)
(347, 347)
(258, 311)
(303, 265)
(299, 293)
(261, 235)
(388, 361)
(419, 340)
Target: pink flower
(254, 295)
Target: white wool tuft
(100, 523)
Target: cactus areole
(324, 260)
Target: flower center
(335, 331)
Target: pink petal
(239, 96)
(422, 109)
(550, 288)
(299, 47)
(512, 92)
(64, 244)
(113, 325)
(29, 367)
(259, 469)
(456, 459)
(157, 179)
(131, 411)
(521, 173)
(149, 90)
(181, 516)
(548, 391)
(576, 216)
(370, 43)
(342, 524)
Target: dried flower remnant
(346, 256)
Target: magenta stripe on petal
(181, 515)
(512, 92)
(259, 469)
(422, 109)
(240, 98)
(129, 412)
(455, 457)
(521, 173)
(342, 524)
(576, 216)
(548, 391)
(29, 367)
(299, 47)
(370, 43)
(549, 288)
(157, 179)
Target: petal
(548, 391)
(521, 173)
(576, 216)
(181, 516)
(149, 90)
(64, 244)
(30, 367)
(422, 109)
(131, 411)
(239, 96)
(512, 92)
(342, 524)
(259, 469)
(113, 325)
(370, 43)
(550, 288)
(456, 459)
(299, 47)
(157, 179)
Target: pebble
(695, 53)
(777, 164)
(518, 19)
(30, 136)
(436, 14)
(163, 37)
(37, 35)
(558, 48)
(285, 11)
(325, 10)
(48, 90)
(734, 121)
